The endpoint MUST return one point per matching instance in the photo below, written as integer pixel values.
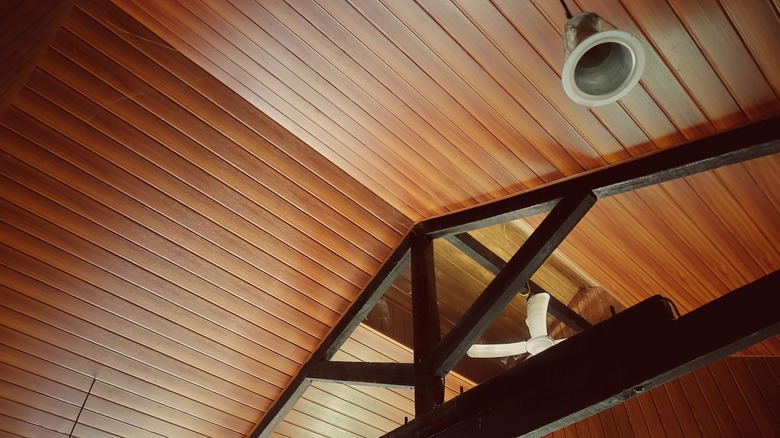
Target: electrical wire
(89, 392)
(566, 8)
(673, 306)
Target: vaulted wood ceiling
(193, 192)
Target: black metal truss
(641, 332)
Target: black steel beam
(489, 260)
(517, 272)
(636, 350)
(364, 373)
(426, 326)
(721, 149)
(336, 337)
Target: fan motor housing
(538, 344)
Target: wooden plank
(205, 372)
(404, 78)
(109, 400)
(20, 392)
(515, 274)
(650, 415)
(758, 25)
(157, 151)
(268, 143)
(28, 28)
(325, 412)
(720, 43)
(15, 428)
(350, 401)
(354, 136)
(53, 362)
(99, 421)
(724, 418)
(704, 415)
(622, 419)
(42, 284)
(35, 374)
(83, 430)
(608, 425)
(662, 27)
(639, 426)
(731, 392)
(35, 418)
(729, 147)
(681, 402)
(768, 381)
(760, 409)
(130, 203)
(182, 383)
(46, 287)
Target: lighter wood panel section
(27, 27)
(337, 410)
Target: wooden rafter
(429, 387)
(741, 144)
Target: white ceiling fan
(537, 327)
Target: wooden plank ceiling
(193, 191)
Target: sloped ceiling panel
(169, 255)
(440, 105)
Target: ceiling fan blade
(537, 314)
(497, 350)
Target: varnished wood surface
(165, 238)
(440, 105)
(28, 27)
(193, 192)
(350, 410)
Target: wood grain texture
(194, 192)
(144, 210)
(332, 409)
(27, 29)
